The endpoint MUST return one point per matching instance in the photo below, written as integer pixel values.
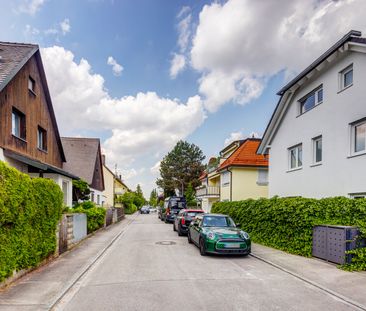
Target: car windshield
(217, 221)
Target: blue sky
(143, 74)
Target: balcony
(208, 192)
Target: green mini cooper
(218, 234)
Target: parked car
(161, 212)
(153, 210)
(173, 205)
(183, 219)
(218, 234)
(144, 210)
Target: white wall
(102, 197)
(339, 174)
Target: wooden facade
(36, 108)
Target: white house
(316, 137)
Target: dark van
(173, 205)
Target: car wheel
(202, 248)
(179, 231)
(189, 238)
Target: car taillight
(167, 211)
(183, 221)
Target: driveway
(150, 268)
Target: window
(42, 139)
(262, 177)
(98, 199)
(18, 124)
(32, 85)
(92, 196)
(360, 195)
(317, 150)
(295, 157)
(225, 179)
(346, 78)
(311, 100)
(358, 137)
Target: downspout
(231, 184)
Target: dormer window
(32, 85)
(311, 100)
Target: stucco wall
(339, 174)
(225, 193)
(244, 184)
(108, 185)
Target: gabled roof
(13, 56)
(352, 37)
(246, 155)
(82, 157)
(116, 177)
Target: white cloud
(177, 64)
(30, 6)
(156, 168)
(65, 26)
(178, 61)
(139, 125)
(116, 68)
(238, 136)
(31, 31)
(236, 48)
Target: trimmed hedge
(95, 216)
(287, 223)
(29, 212)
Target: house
(108, 193)
(244, 173)
(316, 137)
(29, 136)
(120, 189)
(238, 174)
(84, 159)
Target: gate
(109, 217)
(62, 243)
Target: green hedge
(95, 216)
(29, 212)
(287, 223)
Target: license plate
(232, 245)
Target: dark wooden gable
(38, 111)
(98, 179)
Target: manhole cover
(165, 243)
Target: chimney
(103, 159)
(120, 177)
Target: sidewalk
(351, 285)
(40, 288)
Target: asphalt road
(140, 273)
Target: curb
(86, 268)
(322, 288)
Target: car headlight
(211, 235)
(244, 235)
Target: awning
(37, 165)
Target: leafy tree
(153, 198)
(139, 199)
(81, 190)
(181, 166)
(190, 196)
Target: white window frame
(314, 141)
(342, 75)
(262, 182)
(358, 195)
(353, 138)
(225, 179)
(297, 148)
(314, 92)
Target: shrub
(85, 205)
(287, 223)
(130, 209)
(95, 217)
(29, 212)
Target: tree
(153, 198)
(139, 199)
(80, 190)
(190, 196)
(181, 166)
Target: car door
(196, 229)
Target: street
(150, 268)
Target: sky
(143, 74)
